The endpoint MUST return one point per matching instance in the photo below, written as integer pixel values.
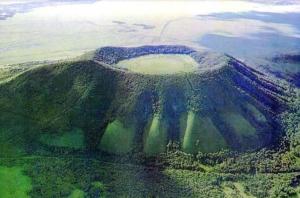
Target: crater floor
(160, 64)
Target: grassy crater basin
(160, 64)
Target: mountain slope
(91, 104)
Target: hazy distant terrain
(279, 2)
(250, 31)
(41, 26)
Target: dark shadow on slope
(144, 109)
(174, 106)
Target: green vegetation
(156, 138)
(229, 192)
(10, 145)
(75, 177)
(257, 114)
(73, 139)
(201, 135)
(84, 105)
(98, 189)
(160, 64)
(14, 183)
(235, 189)
(241, 189)
(77, 194)
(80, 129)
(117, 138)
(239, 124)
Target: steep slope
(92, 104)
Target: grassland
(117, 138)
(77, 194)
(14, 183)
(236, 189)
(160, 64)
(240, 125)
(156, 138)
(201, 135)
(256, 113)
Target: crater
(137, 100)
(160, 60)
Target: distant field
(160, 64)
